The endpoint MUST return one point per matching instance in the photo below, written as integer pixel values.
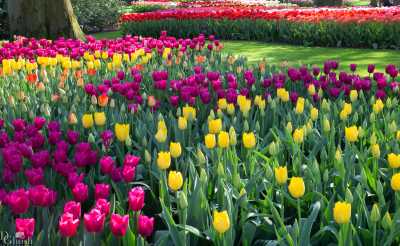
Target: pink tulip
(101, 191)
(80, 192)
(145, 225)
(42, 196)
(119, 224)
(94, 220)
(25, 228)
(106, 164)
(68, 225)
(136, 198)
(128, 173)
(18, 201)
(131, 160)
(103, 205)
(73, 208)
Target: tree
(43, 19)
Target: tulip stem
(374, 235)
(67, 241)
(298, 210)
(282, 205)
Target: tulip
(121, 131)
(100, 118)
(296, 187)
(163, 160)
(87, 120)
(182, 123)
(249, 140)
(353, 95)
(136, 198)
(128, 173)
(221, 222)
(101, 191)
(73, 208)
(103, 206)
(131, 160)
(102, 100)
(351, 133)
(210, 141)
(175, 180)
(189, 113)
(393, 160)
(94, 221)
(18, 201)
(300, 105)
(68, 225)
(298, 135)
(395, 182)
(145, 225)
(175, 149)
(215, 126)
(161, 135)
(314, 114)
(25, 228)
(222, 104)
(281, 175)
(107, 164)
(40, 195)
(342, 212)
(223, 139)
(375, 150)
(119, 224)
(80, 192)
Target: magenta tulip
(119, 224)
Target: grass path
(296, 55)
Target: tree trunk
(43, 19)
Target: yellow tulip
(351, 133)
(300, 105)
(314, 114)
(221, 222)
(189, 113)
(378, 106)
(182, 123)
(311, 89)
(353, 95)
(395, 182)
(296, 187)
(222, 103)
(161, 135)
(298, 135)
(393, 160)
(398, 135)
(375, 150)
(230, 109)
(121, 131)
(223, 139)
(87, 120)
(175, 180)
(281, 175)
(249, 140)
(210, 141)
(163, 160)
(342, 212)
(215, 126)
(100, 118)
(347, 108)
(175, 149)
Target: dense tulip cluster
(169, 141)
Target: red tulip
(80, 192)
(68, 225)
(145, 225)
(119, 224)
(94, 220)
(24, 228)
(128, 173)
(136, 198)
(101, 191)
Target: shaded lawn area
(275, 53)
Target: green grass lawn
(296, 55)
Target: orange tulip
(102, 100)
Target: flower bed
(168, 142)
(348, 27)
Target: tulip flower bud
(93, 100)
(182, 200)
(236, 180)
(325, 105)
(200, 157)
(232, 136)
(349, 196)
(372, 139)
(393, 127)
(355, 117)
(211, 116)
(128, 142)
(147, 156)
(144, 141)
(244, 201)
(24, 109)
(92, 109)
(289, 127)
(326, 176)
(375, 213)
(91, 138)
(273, 104)
(387, 221)
(178, 112)
(338, 154)
(273, 148)
(221, 170)
(389, 102)
(269, 173)
(220, 113)
(372, 117)
(326, 126)
(246, 126)
(123, 109)
(203, 176)
(112, 103)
